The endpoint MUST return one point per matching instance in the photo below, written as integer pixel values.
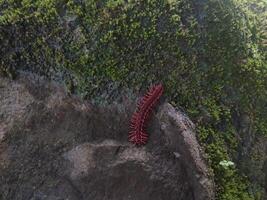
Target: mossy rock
(210, 55)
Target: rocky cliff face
(55, 146)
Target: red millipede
(137, 134)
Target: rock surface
(55, 146)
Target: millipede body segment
(137, 134)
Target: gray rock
(54, 146)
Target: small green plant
(226, 164)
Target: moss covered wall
(210, 56)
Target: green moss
(210, 57)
